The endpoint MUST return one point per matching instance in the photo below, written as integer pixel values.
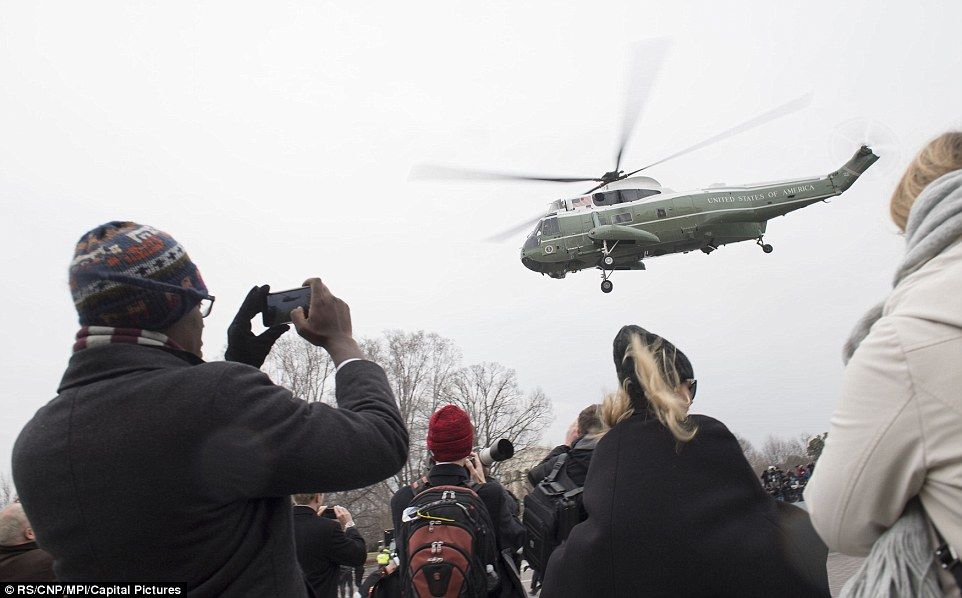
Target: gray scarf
(901, 563)
(934, 223)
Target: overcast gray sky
(274, 141)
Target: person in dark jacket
(580, 441)
(324, 544)
(450, 439)
(385, 582)
(674, 508)
(20, 557)
(154, 466)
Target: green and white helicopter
(626, 218)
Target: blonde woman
(896, 433)
(673, 508)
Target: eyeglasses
(206, 304)
(692, 388)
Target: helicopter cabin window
(550, 227)
(661, 213)
(621, 218)
(611, 198)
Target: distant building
(513, 473)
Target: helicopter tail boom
(845, 177)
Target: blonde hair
(940, 156)
(660, 383)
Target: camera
(278, 306)
(501, 450)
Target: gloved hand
(242, 345)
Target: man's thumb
(297, 317)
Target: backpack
(450, 544)
(550, 511)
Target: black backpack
(449, 544)
(550, 511)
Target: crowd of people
(786, 485)
(154, 465)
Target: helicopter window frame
(613, 198)
(661, 213)
(621, 218)
(550, 227)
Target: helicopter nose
(536, 266)
(529, 263)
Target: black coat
(576, 464)
(322, 547)
(683, 520)
(508, 531)
(152, 467)
(25, 562)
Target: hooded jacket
(895, 433)
(152, 467)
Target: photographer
(450, 439)
(154, 466)
(580, 440)
(325, 539)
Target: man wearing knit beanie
(450, 435)
(152, 465)
(450, 441)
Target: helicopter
(626, 218)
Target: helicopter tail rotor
(881, 139)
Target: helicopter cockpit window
(550, 227)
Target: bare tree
(420, 366)
(6, 491)
(784, 452)
(815, 446)
(498, 408)
(304, 369)
(752, 454)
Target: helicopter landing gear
(607, 260)
(765, 246)
(606, 285)
(708, 249)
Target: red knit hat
(450, 434)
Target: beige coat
(897, 430)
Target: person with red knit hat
(450, 441)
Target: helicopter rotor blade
(438, 172)
(514, 230)
(646, 63)
(775, 113)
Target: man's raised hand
(242, 345)
(328, 324)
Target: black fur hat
(626, 367)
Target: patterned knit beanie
(665, 352)
(128, 275)
(450, 434)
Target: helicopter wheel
(608, 261)
(606, 286)
(767, 248)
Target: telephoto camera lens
(501, 450)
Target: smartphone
(278, 306)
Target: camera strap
(548, 484)
(946, 559)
